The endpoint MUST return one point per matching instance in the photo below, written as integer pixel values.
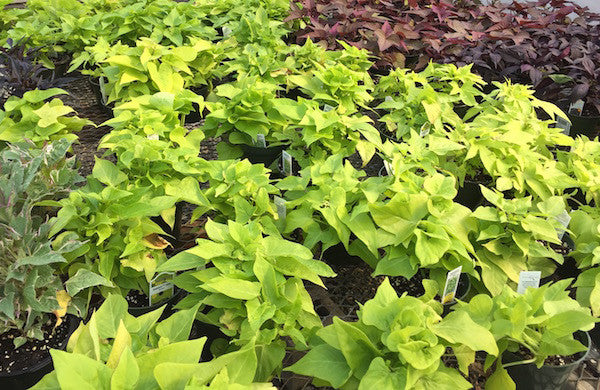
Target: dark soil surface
(33, 351)
(137, 299)
(413, 286)
(82, 99)
(352, 285)
(556, 360)
(477, 375)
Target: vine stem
(506, 365)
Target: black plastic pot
(138, 311)
(584, 125)
(337, 255)
(469, 195)
(24, 379)
(529, 377)
(577, 199)
(193, 117)
(211, 332)
(266, 156)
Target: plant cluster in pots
(36, 313)
(263, 238)
(115, 349)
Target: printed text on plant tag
(451, 285)
(528, 279)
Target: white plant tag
(102, 84)
(577, 107)
(286, 161)
(281, 207)
(153, 137)
(451, 285)
(327, 108)
(388, 168)
(260, 141)
(388, 99)
(528, 279)
(424, 130)
(227, 31)
(563, 124)
(161, 287)
(564, 219)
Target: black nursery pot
(337, 255)
(211, 332)
(24, 379)
(529, 377)
(469, 195)
(266, 156)
(578, 199)
(193, 117)
(584, 125)
(137, 311)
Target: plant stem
(518, 363)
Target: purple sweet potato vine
(551, 44)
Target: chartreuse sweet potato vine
(542, 320)
(396, 343)
(254, 289)
(515, 235)
(117, 350)
(150, 67)
(34, 118)
(585, 232)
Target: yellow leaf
(122, 340)
(63, 299)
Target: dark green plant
(31, 290)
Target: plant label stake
(153, 137)
(388, 99)
(388, 168)
(563, 124)
(327, 108)
(451, 285)
(577, 107)
(161, 287)
(286, 163)
(260, 141)
(281, 207)
(226, 31)
(102, 84)
(528, 279)
(563, 218)
(424, 130)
